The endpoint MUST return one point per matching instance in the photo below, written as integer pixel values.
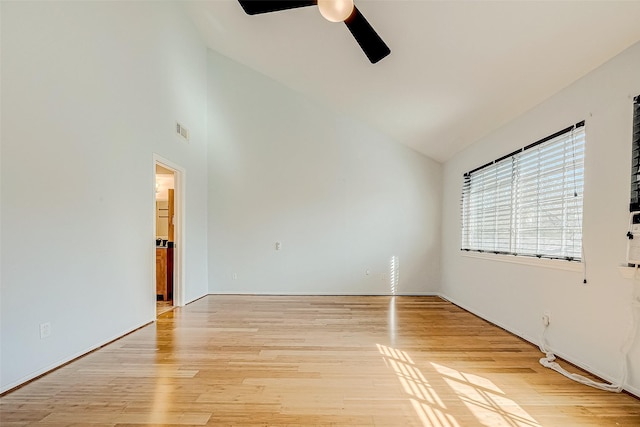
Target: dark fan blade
(366, 36)
(254, 7)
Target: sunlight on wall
(432, 396)
(394, 274)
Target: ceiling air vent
(182, 131)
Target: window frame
(634, 202)
(499, 237)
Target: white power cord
(549, 360)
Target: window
(635, 159)
(528, 202)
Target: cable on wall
(549, 360)
(634, 207)
(584, 261)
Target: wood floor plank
(321, 361)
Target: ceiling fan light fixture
(335, 10)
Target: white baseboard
(58, 364)
(632, 390)
(535, 341)
(311, 294)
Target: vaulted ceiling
(457, 71)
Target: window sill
(557, 264)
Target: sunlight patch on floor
(484, 399)
(486, 402)
(425, 400)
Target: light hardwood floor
(163, 306)
(348, 361)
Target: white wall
(90, 90)
(341, 198)
(589, 323)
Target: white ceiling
(457, 70)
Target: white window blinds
(530, 201)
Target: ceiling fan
(334, 11)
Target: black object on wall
(635, 157)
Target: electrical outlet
(45, 330)
(546, 319)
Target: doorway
(167, 234)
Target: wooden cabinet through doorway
(161, 273)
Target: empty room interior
(242, 213)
